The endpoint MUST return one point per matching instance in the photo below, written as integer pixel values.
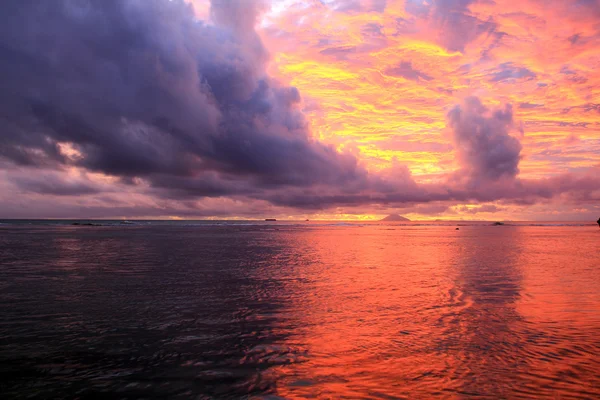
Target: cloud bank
(144, 90)
(140, 108)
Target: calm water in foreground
(299, 311)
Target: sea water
(220, 310)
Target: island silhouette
(395, 218)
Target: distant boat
(308, 220)
(498, 223)
(270, 219)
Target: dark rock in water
(498, 223)
(457, 229)
(395, 218)
(270, 219)
(84, 224)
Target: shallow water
(299, 311)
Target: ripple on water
(221, 312)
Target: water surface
(259, 310)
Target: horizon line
(290, 220)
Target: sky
(330, 109)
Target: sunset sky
(331, 109)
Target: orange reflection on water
(413, 312)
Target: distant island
(395, 218)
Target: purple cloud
(159, 96)
(179, 110)
(52, 183)
(486, 208)
(453, 20)
(530, 105)
(357, 6)
(483, 145)
(508, 72)
(406, 70)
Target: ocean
(284, 310)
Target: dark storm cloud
(241, 19)
(143, 89)
(53, 184)
(406, 70)
(484, 147)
